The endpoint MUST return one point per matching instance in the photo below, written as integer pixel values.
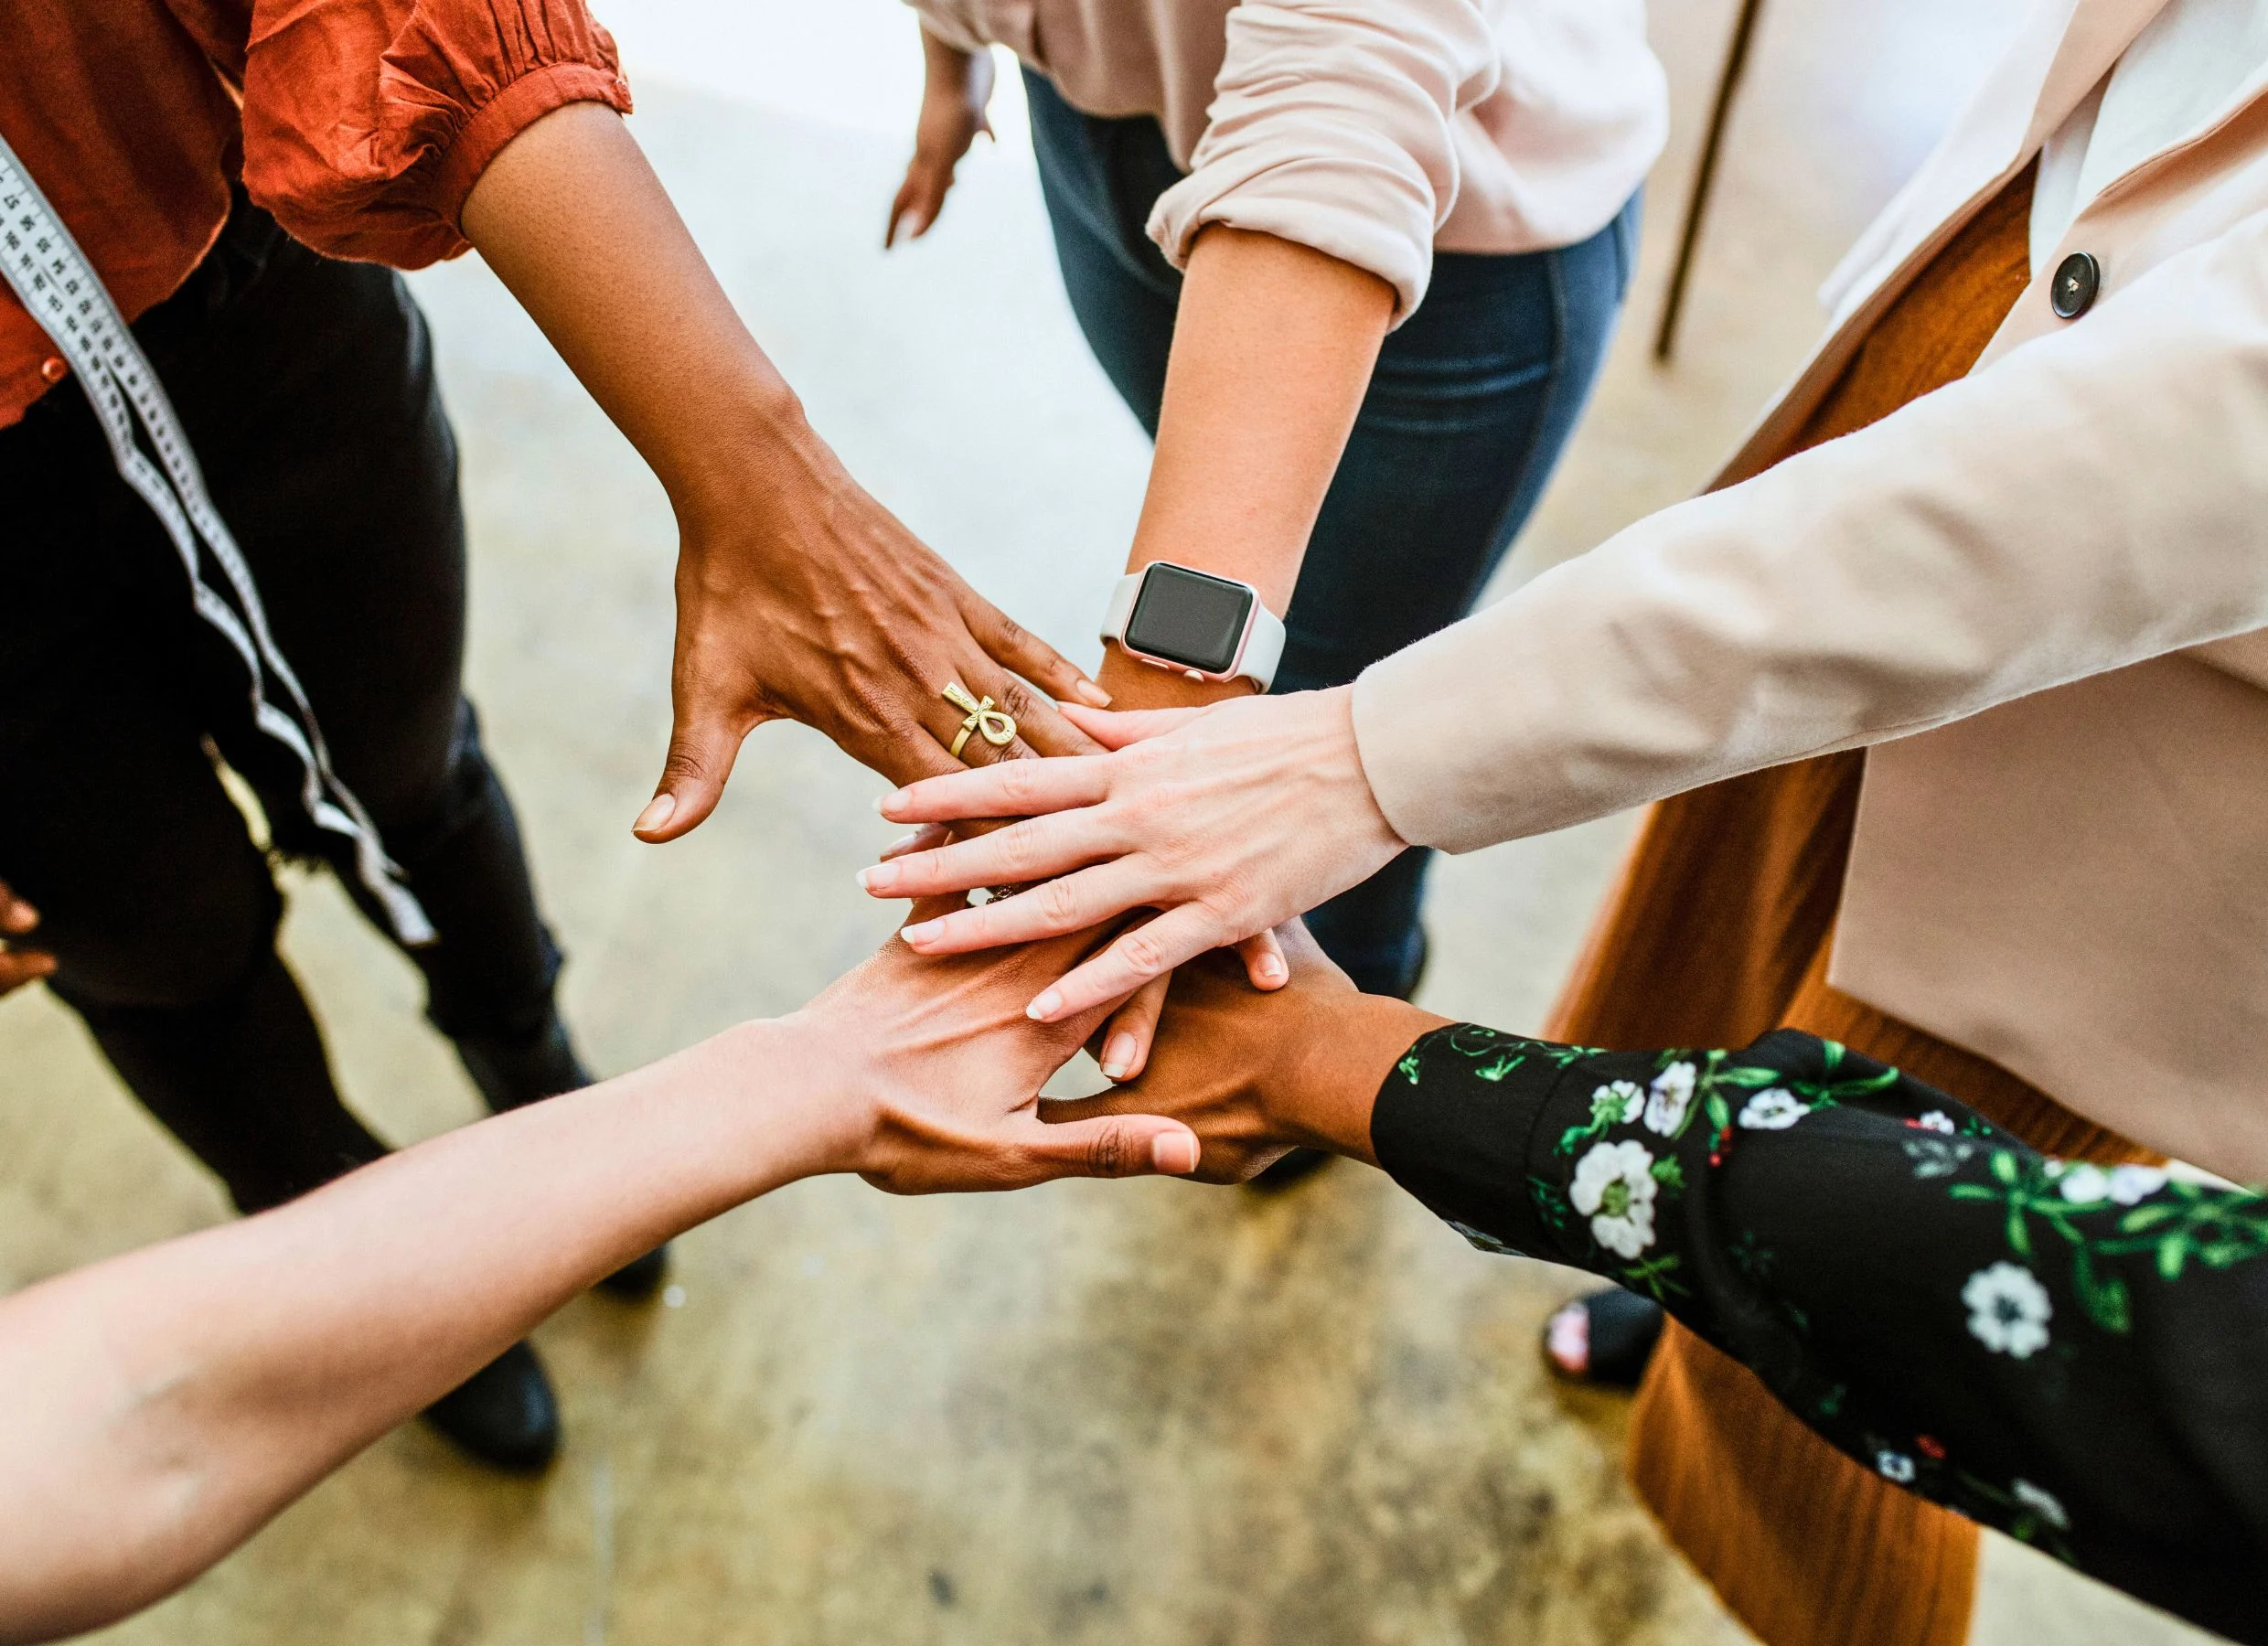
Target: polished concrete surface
(1149, 1412)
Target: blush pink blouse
(1376, 130)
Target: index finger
(1010, 789)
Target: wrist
(789, 1096)
(745, 447)
(1133, 684)
(1349, 1045)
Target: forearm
(573, 222)
(1938, 1300)
(164, 1405)
(1273, 347)
(2087, 501)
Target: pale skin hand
(1231, 819)
(800, 596)
(164, 1405)
(19, 964)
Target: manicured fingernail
(915, 935)
(1092, 695)
(1271, 970)
(1117, 1056)
(1173, 1152)
(902, 843)
(880, 878)
(656, 815)
(892, 798)
(1042, 1009)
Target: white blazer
(2044, 581)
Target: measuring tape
(50, 275)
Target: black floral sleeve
(2075, 1355)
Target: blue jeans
(1472, 403)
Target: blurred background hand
(956, 87)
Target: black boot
(505, 1415)
(513, 1073)
(1302, 1164)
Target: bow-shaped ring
(997, 726)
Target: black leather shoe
(513, 1073)
(504, 1414)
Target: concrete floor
(1147, 1412)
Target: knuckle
(1058, 903)
(1020, 851)
(1143, 955)
(1109, 1153)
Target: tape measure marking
(52, 278)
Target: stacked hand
(1230, 819)
(945, 1069)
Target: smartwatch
(1207, 627)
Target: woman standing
(1354, 274)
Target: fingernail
(1045, 1008)
(878, 879)
(656, 815)
(915, 935)
(889, 801)
(1092, 695)
(1271, 970)
(904, 842)
(1117, 1056)
(1173, 1152)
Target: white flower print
(1667, 1099)
(2083, 1186)
(2131, 1183)
(2008, 1309)
(1775, 1110)
(2042, 1503)
(1896, 1467)
(1614, 1188)
(1618, 1102)
(1936, 1120)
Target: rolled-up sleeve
(1331, 125)
(368, 122)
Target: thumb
(701, 750)
(1116, 1146)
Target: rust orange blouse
(362, 124)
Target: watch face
(1188, 618)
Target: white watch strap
(1264, 642)
(1264, 648)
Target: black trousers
(306, 388)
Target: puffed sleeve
(1330, 126)
(368, 122)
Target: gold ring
(994, 724)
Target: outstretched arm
(162, 1406)
(800, 596)
(2066, 1351)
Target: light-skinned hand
(941, 1070)
(1229, 820)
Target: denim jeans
(1472, 402)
